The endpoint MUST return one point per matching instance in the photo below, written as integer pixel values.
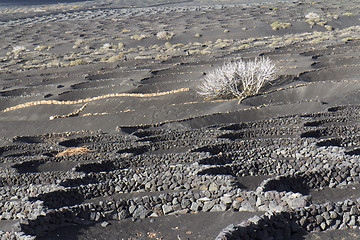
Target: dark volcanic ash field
(103, 135)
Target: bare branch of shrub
(238, 79)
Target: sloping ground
(106, 137)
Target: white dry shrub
(312, 15)
(164, 35)
(139, 37)
(18, 49)
(106, 46)
(40, 48)
(238, 79)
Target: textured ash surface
(156, 160)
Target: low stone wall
(157, 178)
(281, 225)
(16, 236)
(16, 179)
(304, 181)
(163, 204)
(15, 193)
(268, 226)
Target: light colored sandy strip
(56, 102)
(94, 114)
(105, 113)
(73, 114)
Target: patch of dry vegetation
(238, 79)
(316, 19)
(279, 25)
(139, 37)
(165, 35)
(73, 151)
(19, 57)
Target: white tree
(238, 79)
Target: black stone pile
(186, 171)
